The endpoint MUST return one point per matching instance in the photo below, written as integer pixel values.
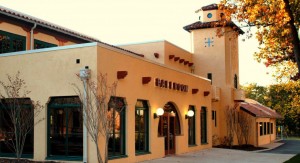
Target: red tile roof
(51, 26)
(222, 23)
(258, 110)
(210, 7)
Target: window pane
(203, 125)
(65, 127)
(116, 114)
(261, 128)
(10, 42)
(191, 128)
(141, 127)
(15, 108)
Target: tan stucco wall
(50, 72)
(268, 138)
(110, 62)
(164, 49)
(171, 49)
(47, 74)
(148, 49)
(215, 15)
(221, 60)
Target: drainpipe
(85, 75)
(31, 36)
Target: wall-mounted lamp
(189, 114)
(159, 112)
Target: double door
(169, 133)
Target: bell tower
(215, 46)
(215, 55)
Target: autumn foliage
(277, 23)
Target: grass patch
(292, 138)
(295, 159)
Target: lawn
(295, 159)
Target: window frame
(192, 128)
(24, 106)
(12, 37)
(66, 107)
(145, 108)
(46, 44)
(203, 129)
(122, 131)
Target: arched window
(116, 137)
(235, 81)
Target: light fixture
(159, 112)
(189, 114)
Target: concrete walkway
(219, 155)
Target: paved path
(289, 147)
(218, 155)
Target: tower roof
(221, 23)
(213, 6)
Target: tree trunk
(294, 33)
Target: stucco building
(150, 75)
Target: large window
(192, 128)
(116, 142)
(41, 44)
(10, 42)
(141, 127)
(10, 111)
(65, 137)
(203, 119)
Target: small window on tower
(209, 15)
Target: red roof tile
(258, 110)
(210, 7)
(202, 25)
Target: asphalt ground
(288, 147)
(276, 153)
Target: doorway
(169, 127)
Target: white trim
(100, 45)
(154, 41)
(145, 42)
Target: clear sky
(128, 21)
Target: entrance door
(169, 133)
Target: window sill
(204, 143)
(142, 153)
(194, 145)
(116, 157)
(65, 158)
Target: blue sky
(128, 21)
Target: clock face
(209, 15)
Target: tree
(100, 111)
(277, 23)
(285, 99)
(19, 112)
(256, 92)
(245, 125)
(230, 114)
